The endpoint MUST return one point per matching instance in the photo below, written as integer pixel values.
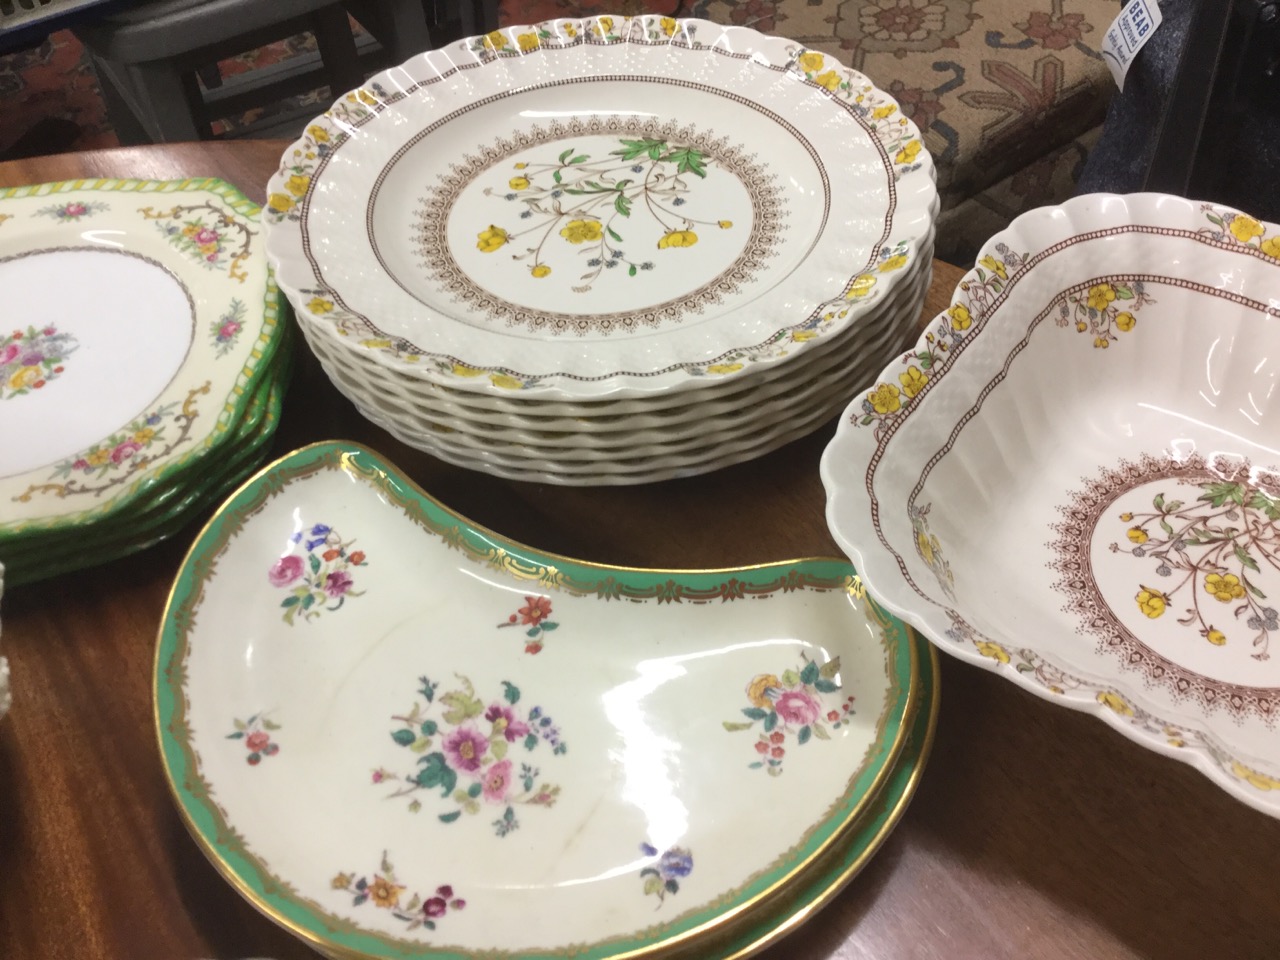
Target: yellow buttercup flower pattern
(582, 231)
(1224, 587)
(678, 238)
(528, 41)
(1115, 702)
(960, 317)
(829, 80)
(908, 153)
(885, 398)
(992, 650)
(1208, 535)
(913, 380)
(1151, 602)
(491, 239)
(1244, 228)
(599, 202)
(811, 62)
(1105, 309)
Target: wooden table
(1036, 832)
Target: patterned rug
(56, 80)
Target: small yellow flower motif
(318, 133)
(24, 377)
(925, 545)
(504, 382)
(367, 98)
(1224, 588)
(908, 153)
(723, 368)
(811, 62)
(144, 435)
(541, 270)
(830, 80)
(376, 343)
(995, 266)
(384, 893)
(1126, 517)
(1244, 228)
(497, 40)
(1151, 602)
(1116, 703)
(861, 286)
(885, 399)
(521, 166)
(757, 687)
(913, 380)
(280, 202)
(668, 26)
(297, 184)
(676, 238)
(960, 317)
(528, 41)
(1177, 742)
(992, 650)
(1252, 777)
(606, 25)
(896, 262)
(311, 155)
(98, 457)
(518, 183)
(581, 231)
(1101, 295)
(341, 881)
(1082, 326)
(1126, 321)
(800, 336)
(462, 370)
(726, 224)
(880, 113)
(1271, 247)
(490, 240)
(1101, 343)
(320, 305)
(570, 30)
(1137, 535)
(1216, 637)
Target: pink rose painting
(285, 571)
(791, 709)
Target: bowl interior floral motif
(1074, 477)
(508, 751)
(533, 201)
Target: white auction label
(1127, 34)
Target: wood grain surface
(1037, 832)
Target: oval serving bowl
(609, 207)
(500, 757)
(1073, 478)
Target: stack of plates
(141, 366)
(489, 778)
(606, 251)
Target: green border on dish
(221, 842)
(250, 374)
